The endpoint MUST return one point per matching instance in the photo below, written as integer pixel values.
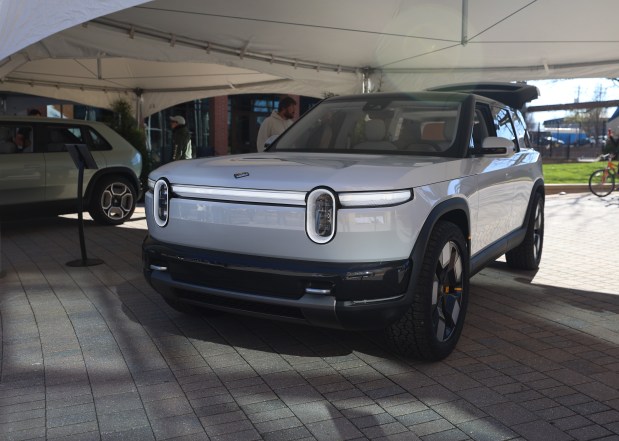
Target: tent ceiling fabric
(178, 50)
(25, 22)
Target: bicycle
(602, 181)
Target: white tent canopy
(163, 52)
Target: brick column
(219, 124)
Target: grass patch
(570, 173)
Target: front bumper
(353, 296)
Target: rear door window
(521, 131)
(7, 139)
(96, 141)
(57, 137)
(503, 124)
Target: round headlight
(161, 202)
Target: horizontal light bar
(374, 198)
(241, 195)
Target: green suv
(38, 175)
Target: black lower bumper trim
(349, 296)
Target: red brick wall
(219, 124)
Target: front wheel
(113, 200)
(601, 182)
(431, 327)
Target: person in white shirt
(277, 122)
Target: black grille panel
(241, 305)
(237, 279)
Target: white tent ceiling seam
(208, 47)
(180, 50)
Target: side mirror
(497, 146)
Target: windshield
(375, 125)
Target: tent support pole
(138, 108)
(465, 23)
(367, 82)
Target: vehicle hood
(305, 171)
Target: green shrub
(126, 125)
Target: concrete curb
(567, 188)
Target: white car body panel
(39, 176)
(279, 231)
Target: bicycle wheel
(601, 182)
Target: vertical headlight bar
(161, 202)
(320, 215)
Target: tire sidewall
(97, 212)
(443, 233)
(413, 334)
(610, 176)
(537, 203)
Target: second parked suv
(38, 175)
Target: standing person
(612, 145)
(277, 122)
(181, 139)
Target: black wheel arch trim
(538, 187)
(443, 210)
(116, 171)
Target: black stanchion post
(2, 273)
(83, 159)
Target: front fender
(455, 210)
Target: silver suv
(370, 212)
(38, 175)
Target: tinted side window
(15, 138)
(521, 130)
(97, 142)
(480, 130)
(503, 124)
(56, 137)
(7, 143)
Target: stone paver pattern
(94, 353)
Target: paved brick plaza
(94, 353)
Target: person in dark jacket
(181, 139)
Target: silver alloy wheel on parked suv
(113, 200)
(117, 200)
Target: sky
(570, 91)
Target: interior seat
(57, 142)
(375, 132)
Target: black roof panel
(515, 95)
